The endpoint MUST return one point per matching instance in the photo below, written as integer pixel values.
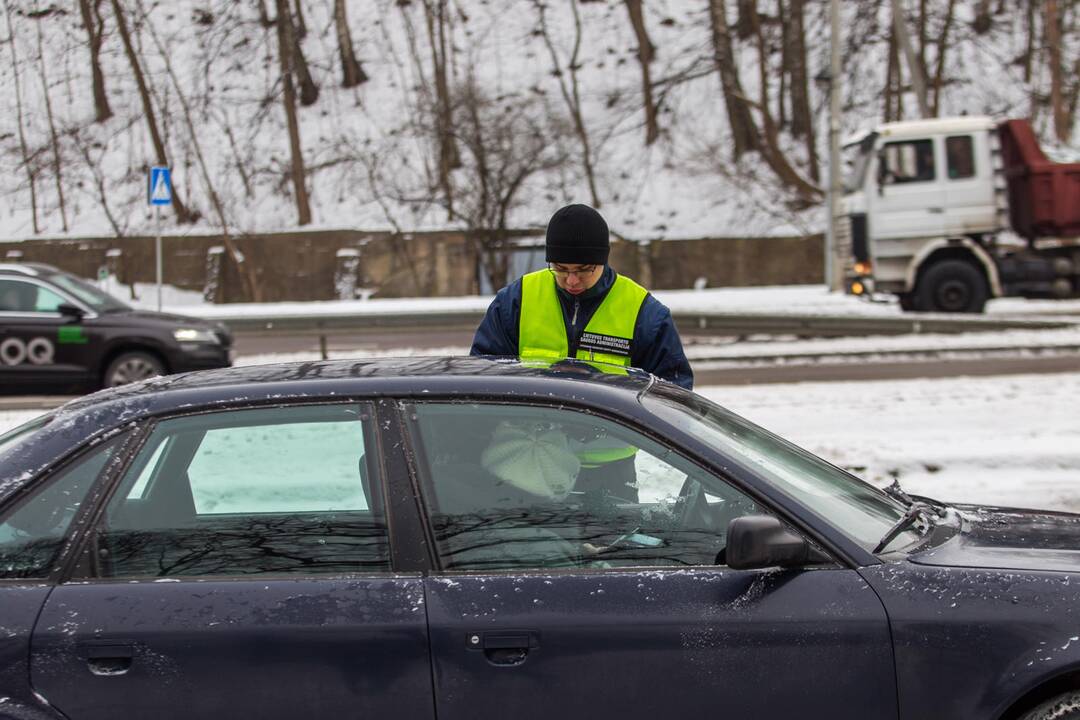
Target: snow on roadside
(1010, 440)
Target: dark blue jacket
(656, 346)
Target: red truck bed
(1044, 197)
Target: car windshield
(98, 301)
(854, 507)
(13, 437)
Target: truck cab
(926, 217)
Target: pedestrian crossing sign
(159, 186)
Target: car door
(581, 576)
(37, 343)
(910, 198)
(241, 568)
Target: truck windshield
(857, 160)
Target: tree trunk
(1052, 35)
(802, 124)
(352, 73)
(918, 79)
(24, 150)
(54, 138)
(247, 272)
(92, 21)
(572, 94)
(1029, 52)
(285, 52)
(939, 69)
(449, 157)
(744, 131)
(309, 91)
(300, 25)
(747, 19)
(983, 19)
(183, 215)
(646, 53)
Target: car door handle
(108, 658)
(504, 649)
(935, 210)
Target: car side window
(32, 533)
(21, 296)
(907, 162)
(280, 490)
(525, 487)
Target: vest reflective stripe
(543, 330)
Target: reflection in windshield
(854, 507)
(99, 301)
(857, 160)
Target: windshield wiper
(914, 512)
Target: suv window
(32, 534)
(282, 490)
(22, 296)
(518, 487)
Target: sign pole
(157, 249)
(158, 193)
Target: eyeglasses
(581, 273)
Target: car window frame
(81, 566)
(88, 312)
(77, 529)
(416, 455)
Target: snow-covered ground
(1012, 440)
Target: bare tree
(646, 52)
(183, 215)
(802, 123)
(95, 27)
(939, 69)
(24, 150)
(571, 90)
(352, 73)
(300, 25)
(285, 54)
(1052, 34)
(54, 137)
(744, 130)
(436, 21)
(247, 272)
(309, 91)
(506, 141)
(983, 19)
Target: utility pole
(834, 255)
(914, 68)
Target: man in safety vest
(581, 308)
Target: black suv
(59, 330)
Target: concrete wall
(328, 265)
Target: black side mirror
(761, 541)
(883, 173)
(70, 311)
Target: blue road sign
(159, 186)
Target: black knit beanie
(576, 234)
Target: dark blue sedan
(467, 538)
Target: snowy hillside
(214, 79)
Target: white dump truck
(947, 213)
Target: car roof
(401, 376)
(104, 413)
(28, 269)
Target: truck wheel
(952, 286)
(907, 301)
(132, 366)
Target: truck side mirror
(882, 173)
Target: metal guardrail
(713, 323)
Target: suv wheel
(131, 367)
(952, 286)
